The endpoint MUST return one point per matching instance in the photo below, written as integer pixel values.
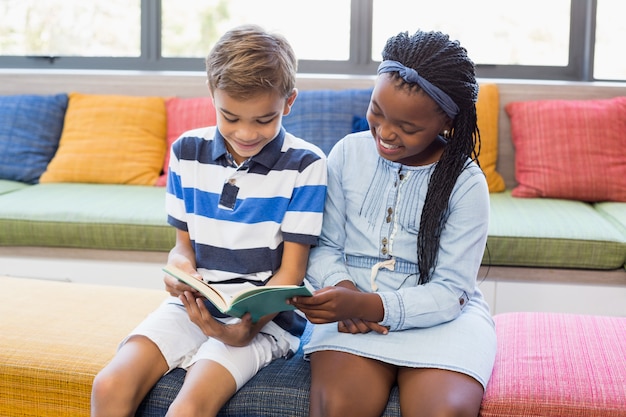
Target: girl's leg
(121, 385)
(437, 392)
(343, 384)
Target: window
(190, 27)
(70, 28)
(609, 56)
(554, 39)
(500, 33)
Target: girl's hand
(355, 326)
(356, 311)
(239, 334)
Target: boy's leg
(207, 387)
(343, 384)
(219, 370)
(438, 392)
(120, 387)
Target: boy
(246, 199)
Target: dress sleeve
(461, 249)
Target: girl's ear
(289, 102)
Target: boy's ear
(290, 100)
(209, 87)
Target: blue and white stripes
(280, 197)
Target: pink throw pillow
(570, 149)
(184, 114)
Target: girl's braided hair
(445, 64)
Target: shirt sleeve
(326, 260)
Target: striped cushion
(100, 216)
(557, 365)
(56, 336)
(545, 232)
(570, 148)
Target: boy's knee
(108, 389)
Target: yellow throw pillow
(487, 110)
(110, 139)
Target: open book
(259, 301)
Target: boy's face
(250, 124)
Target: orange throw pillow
(110, 139)
(487, 111)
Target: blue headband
(411, 76)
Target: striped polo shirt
(238, 216)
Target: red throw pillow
(184, 114)
(570, 149)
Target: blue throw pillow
(30, 130)
(359, 124)
(323, 117)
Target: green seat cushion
(98, 216)
(614, 212)
(6, 186)
(545, 232)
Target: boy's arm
(293, 264)
(182, 256)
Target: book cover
(259, 301)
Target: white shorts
(182, 343)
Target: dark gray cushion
(280, 389)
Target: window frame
(579, 68)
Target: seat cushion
(56, 336)
(278, 390)
(94, 216)
(555, 365)
(553, 233)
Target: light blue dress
(369, 236)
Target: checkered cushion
(278, 390)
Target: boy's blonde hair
(247, 61)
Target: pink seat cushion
(552, 364)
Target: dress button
(384, 251)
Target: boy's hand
(175, 287)
(239, 334)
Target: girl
(404, 231)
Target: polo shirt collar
(268, 156)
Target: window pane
(190, 28)
(529, 32)
(70, 28)
(610, 59)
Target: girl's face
(248, 125)
(405, 124)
